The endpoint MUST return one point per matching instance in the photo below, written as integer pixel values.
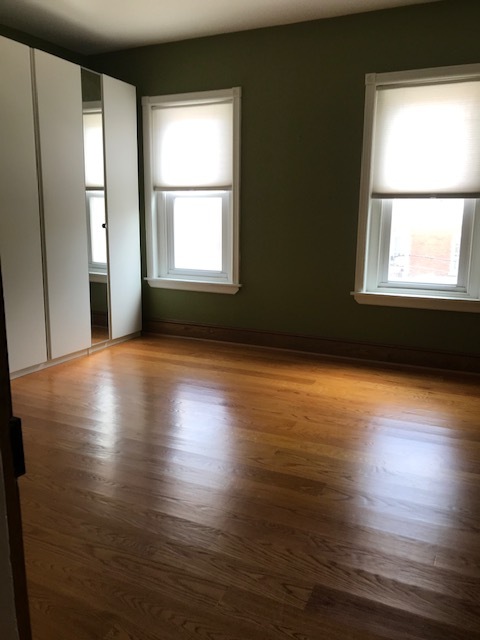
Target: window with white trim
(95, 193)
(192, 153)
(419, 226)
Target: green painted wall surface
(302, 127)
(98, 297)
(43, 45)
(91, 86)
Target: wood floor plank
(55, 612)
(287, 622)
(187, 490)
(386, 620)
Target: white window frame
(160, 269)
(371, 284)
(97, 270)
(165, 208)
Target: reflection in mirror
(95, 201)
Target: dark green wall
(91, 86)
(37, 43)
(302, 120)
(99, 297)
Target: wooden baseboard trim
(337, 348)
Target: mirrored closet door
(95, 205)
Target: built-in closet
(45, 236)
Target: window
(95, 193)
(191, 183)
(419, 224)
(97, 245)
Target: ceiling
(95, 26)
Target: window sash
(165, 200)
(93, 148)
(94, 267)
(192, 144)
(425, 133)
(381, 238)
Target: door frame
(10, 488)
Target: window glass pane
(193, 145)
(425, 241)
(93, 149)
(197, 232)
(98, 234)
(427, 139)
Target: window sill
(194, 285)
(97, 277)
(418, 301)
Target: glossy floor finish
(182, 490)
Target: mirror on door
(95, 201)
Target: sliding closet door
(20, 243)
(60, 130)
(121, 188)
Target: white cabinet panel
(20, 240)
(59, 102)
(121, 188)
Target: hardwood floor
(182, 490)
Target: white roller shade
(93, 149)
(427, 140)
(193, 145)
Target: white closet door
(121, 188)
(60, 120)
(20, 239)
